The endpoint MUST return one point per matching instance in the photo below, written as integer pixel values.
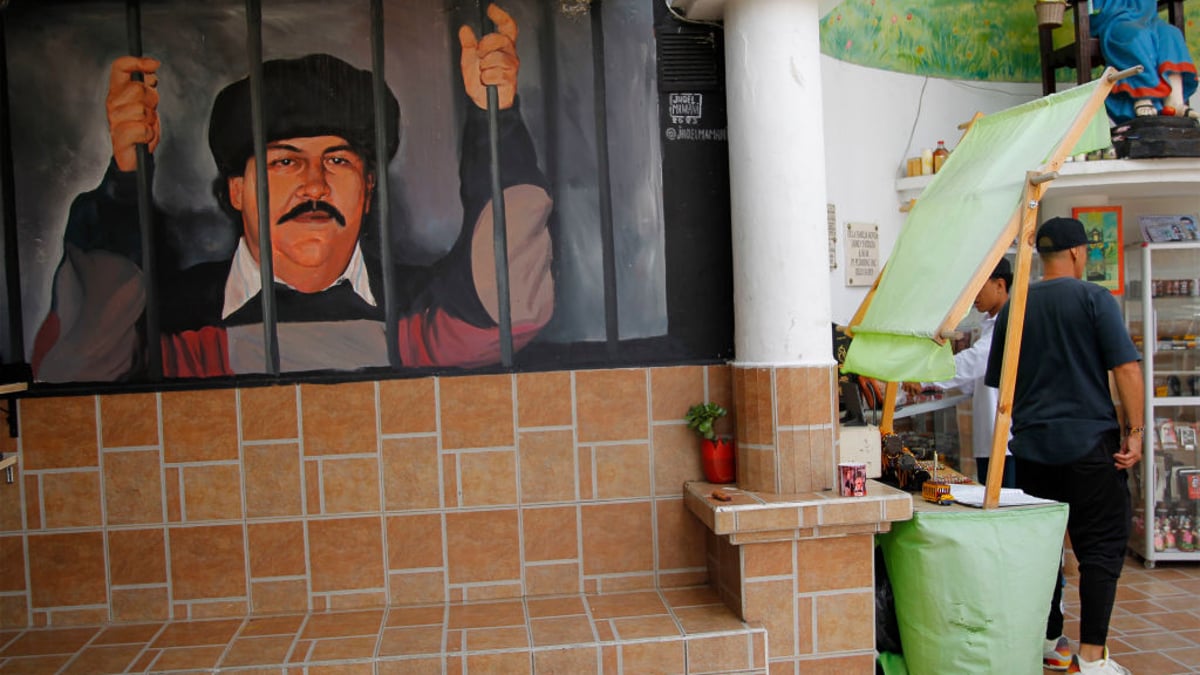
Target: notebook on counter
(972, 495)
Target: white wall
(874, 120)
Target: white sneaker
(1105, 666)
(1056, 654)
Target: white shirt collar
(245, 281)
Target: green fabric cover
(895, 358)
(892, 664)
(972, 587)
(961, 217)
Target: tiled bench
(686, 631)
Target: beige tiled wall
(786, 429)
(218, 502)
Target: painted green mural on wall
(958, 39)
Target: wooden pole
(889, 408)
(1035, 186)
(1012, 342)
(866, 303)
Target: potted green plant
(716, 453)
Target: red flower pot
(718, 460)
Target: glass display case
(1162, 311)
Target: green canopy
(965, 220)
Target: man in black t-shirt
(1066, 439)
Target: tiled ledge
(756, 517)
(684, 631)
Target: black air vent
(689, 61)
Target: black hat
(314, 95)
(1058, 234)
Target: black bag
(887, 630)
(1157, 136)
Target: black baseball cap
(1059, 234)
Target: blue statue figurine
(1131, 33)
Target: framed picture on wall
(1105, 257)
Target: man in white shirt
(969, 367)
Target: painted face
(319, 191)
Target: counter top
(751, 517)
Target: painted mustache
(314, 207)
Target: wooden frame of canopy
(1021, 227)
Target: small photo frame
(1191, 479)
(1187, 436)
(1167, 436)
(1184, 227)
(1106, 253)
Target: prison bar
(266, 263)
(146, 225)
(607, 242)
(15, 348)
(499, 222)
(383, 202)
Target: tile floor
(1155, 627)
(668, 631)
(1155, 631)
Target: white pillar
(777, 183)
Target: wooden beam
(959, 309)
(1035, 186)
(966, 126)
(889, 408)
(1012, 343)
(862, 308)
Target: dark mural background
(58, 54)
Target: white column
(777, 183)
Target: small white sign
(686, 108)
(862, 254)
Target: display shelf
(1168, 401)
(946, 401)
(1166, 521)
(929, 426)
(1151, 556)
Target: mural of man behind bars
(321, 178)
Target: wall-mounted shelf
(1117, 178)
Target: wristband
(1129, 431)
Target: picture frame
(1187, 436)
(1106, 253)
(1180, 227)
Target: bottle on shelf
(940, 154)
(926, 162)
